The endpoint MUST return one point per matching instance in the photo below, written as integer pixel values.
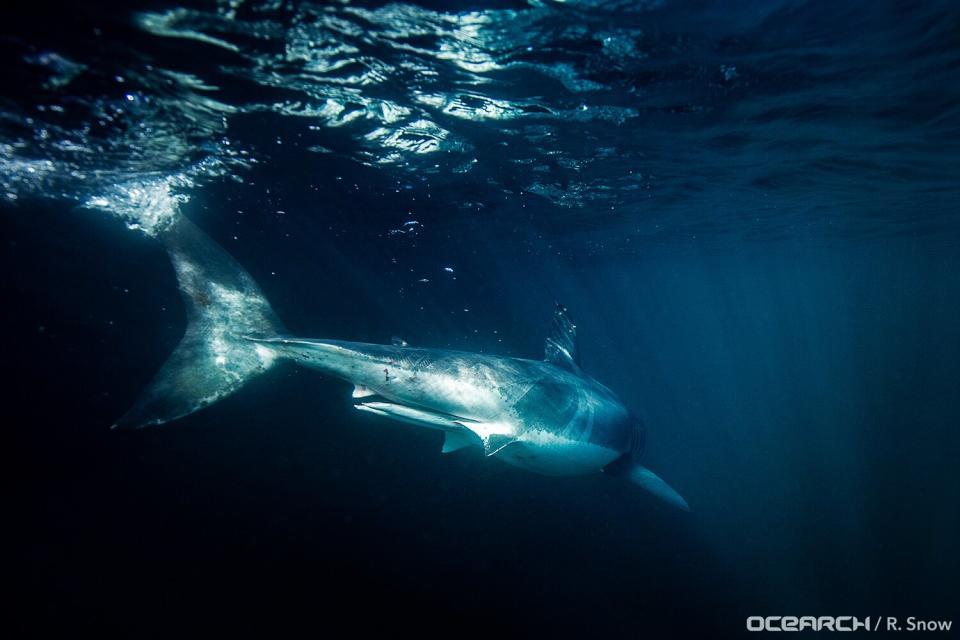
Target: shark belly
(536, 451)
(549, 454)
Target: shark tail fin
(213, 360)
(628, 468)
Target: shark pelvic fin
(456, 440)
(361, 391)
(494, 442)
(494, 435)
(561, 345)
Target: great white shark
(545, 416)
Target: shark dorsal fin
(561, 345)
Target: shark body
(533, 414)
(546, 416)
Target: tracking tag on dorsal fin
(399, 342)
(561, 345)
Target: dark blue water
(751, 213)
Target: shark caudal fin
(213, 360)
(626, 467)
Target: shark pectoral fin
(626, 467)
(456, 440)
(643, 477)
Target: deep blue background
(800, 395)
(782, 310)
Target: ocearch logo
(807, 623)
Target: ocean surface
(751, 210)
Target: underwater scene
(543, 318)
